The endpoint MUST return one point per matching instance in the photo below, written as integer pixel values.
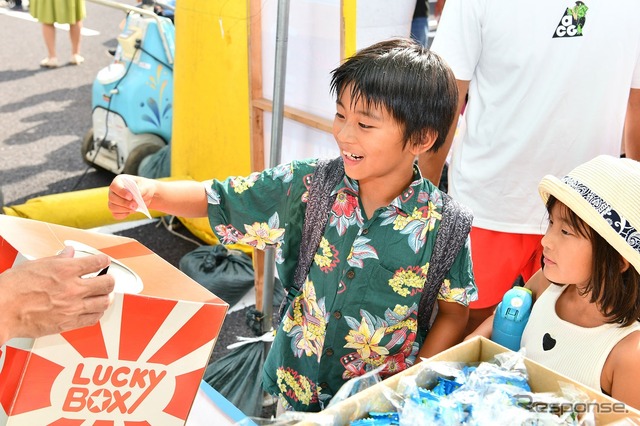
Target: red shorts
(498, 259)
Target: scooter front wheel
(87, 147)
(87, 144)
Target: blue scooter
(132, 98)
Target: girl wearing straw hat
(584, 321)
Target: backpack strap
(452, 235)
(326, 176)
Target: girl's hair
(414, 84)
(616, 293)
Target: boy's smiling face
(371, 143)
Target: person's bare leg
(49, 34)
(74, 33)
(477, 317)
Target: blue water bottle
(511, 317)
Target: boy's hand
(121, 200)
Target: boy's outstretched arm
(447, 329)
(179, 198)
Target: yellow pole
(211, 126)
(82, 209)
(79, 209)
(348, 28)
(211, 121)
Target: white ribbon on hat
(618, 223)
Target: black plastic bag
(238, 377)
(226, 273)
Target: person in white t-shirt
(549, 86)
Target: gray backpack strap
(327, 175)
(452, 235)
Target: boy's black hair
(414, 84)
(616, 293)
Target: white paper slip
(131, 185)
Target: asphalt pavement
(44, 114)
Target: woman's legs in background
(49, 34)
(74, 32)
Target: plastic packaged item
(495, 393)
(511, 317)
(378, 419)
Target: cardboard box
(541, 379)
(143, 362)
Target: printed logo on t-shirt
(572, 22)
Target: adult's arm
(49, 295)
(431, 163)
(632, 126)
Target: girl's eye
(364, 126)
(565, 232)
(340, 116)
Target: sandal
(76, 59)
(49, 63)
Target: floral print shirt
(358, 307)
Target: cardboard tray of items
(608, 411)
(141, 364)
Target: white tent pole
(277, 119)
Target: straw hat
(605, 193)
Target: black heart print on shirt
(548, 342)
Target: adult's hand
(49, 295)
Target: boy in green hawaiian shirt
(357, 309)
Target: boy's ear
(428, 139)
